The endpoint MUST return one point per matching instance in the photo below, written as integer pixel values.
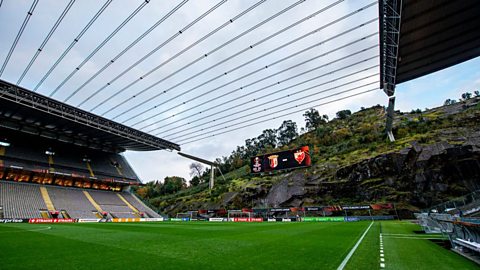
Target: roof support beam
(32, 100)
(390, 21)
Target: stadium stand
(138, 204)
(59, 161)
(24, 200)
(458, 220)
(21, 200)
(72, 201)
(111, 203)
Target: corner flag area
(209, 245)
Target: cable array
(223, 61)
(169, 59)
(75, 40)
(126, 49)
(202, 112)
(231, 57)
(100, 46)
(282, 104)
(47, 38)
(183, 142)
(203, 56)
(245, 64)
(250, 74)
(19, 34)
(241, 105)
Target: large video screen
(290, 159)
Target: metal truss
(55, 108)
(390, 21)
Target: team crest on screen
(299, 156)
(273, 161)
(257, 166)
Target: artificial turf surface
(203, 245)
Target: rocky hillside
(436, 157)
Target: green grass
(203, 245)
(404, 249)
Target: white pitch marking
(417, 238)
(33, 230)
(382, 259)
(381, 255)
(349, 255)
(382, 265)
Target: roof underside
(434, 35)
(29, 112)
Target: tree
(286, 132)
(251, 147)
(313, 119)
(449, 102)
(173, 184)
(195, 181)
(268, 138)
(466, 95)
(196, 169)
(343, 114)
(477, 93)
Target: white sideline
(32, 230)
(350, 254)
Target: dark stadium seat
(20, 200)
(72, 200)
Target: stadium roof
(30, 112)
(421, 37)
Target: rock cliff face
(418, 175)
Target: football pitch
(209, 245)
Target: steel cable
(47, 38)
(100, 46)
(282, 104)
(19, 34)
(283, 115)
(230, 57)
(126, 49)
(75, 40)
(169, 59)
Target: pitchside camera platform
(290, 159)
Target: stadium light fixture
(5, 144)
(50, 153)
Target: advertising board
(51, 220)
(324, 219)
(289, 159)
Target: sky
(207, 67)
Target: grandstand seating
(140, 205)
(72, 200)
(30, 154)
(457, 219)
(112, 204)
(24, 200)
(21, 200)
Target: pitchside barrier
(13, 220)
(179, 219)
(73, 220)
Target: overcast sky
(206, 69)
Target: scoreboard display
(290, 159)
